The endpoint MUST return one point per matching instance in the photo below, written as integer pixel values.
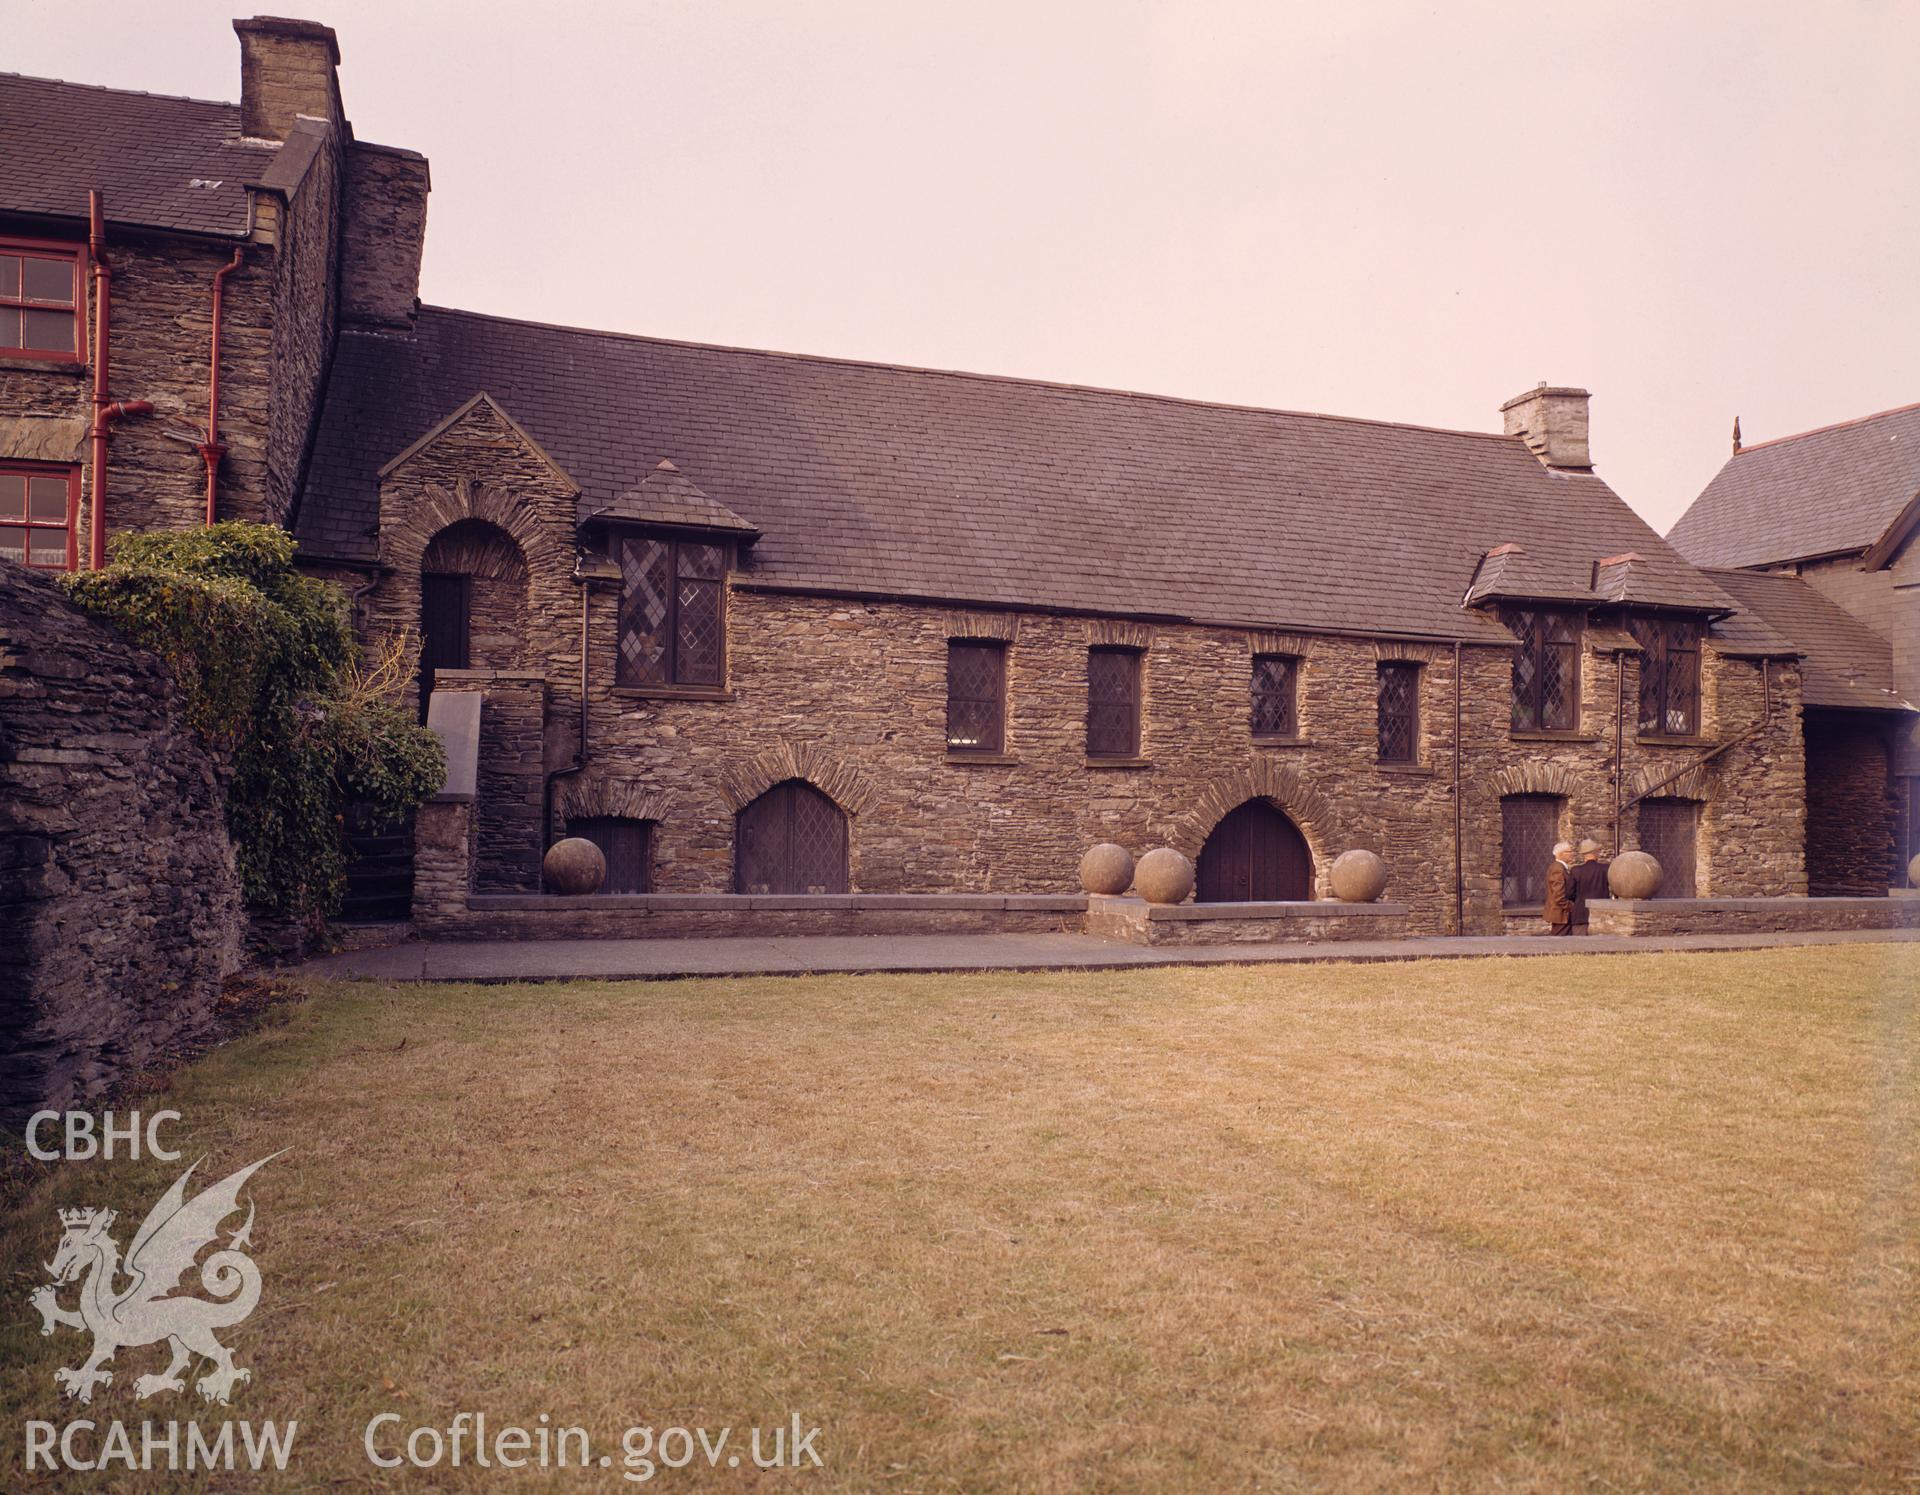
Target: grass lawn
(1634, 1221)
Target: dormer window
(673, 623)
(1546, 668)
(39, 301)
(1669, 674)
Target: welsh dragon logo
(144, 1312)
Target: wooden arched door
(792, 839)
(1255, 855)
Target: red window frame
(46, 249)
(25, 521)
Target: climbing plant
(271, 681)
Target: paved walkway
(644, 960)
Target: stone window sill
(1287, 742)
(1119, 763)
(981, 760)
(670, 693)
(73, 367)
(1653, 739)
(1417, 770)
(1522, 736)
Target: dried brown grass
(1637, 1222)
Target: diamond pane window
(39, 301)
(672, 612)
(1399, 712)
(1669, 831)
(1546, 669)
(1529, 827)
(1113, 703)
(37, 515)
(1275, 696)
(976, 696)
(1669, 675)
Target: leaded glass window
(1275, 711)
(1529, 827)
(1669, 674)
(1113, 703)
(672, 611)
(1399, 712)
(976, 696)
(1546, 669)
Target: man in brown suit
(1559, 906)
(1588, 880)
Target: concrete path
(646, 960)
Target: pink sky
(1406, 212)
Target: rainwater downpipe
(1459, 817)
(1619, 738)
(212, 449)
(580, 758)
(105, 413)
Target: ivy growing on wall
(268, 669)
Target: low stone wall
(1141, 923)
(1662, 916)
(723, 915)
(119, 905)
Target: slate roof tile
(144, 152)
(1832, 490)
(1846, 663)
(898, 481)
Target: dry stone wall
(120, 909)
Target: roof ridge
(1016, 379)
(1839, 425)
(136, 93)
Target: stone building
(763, 624)
(1814, 533)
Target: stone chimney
(1554, 423)
(286, 70)
(383, 228)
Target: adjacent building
(1814, 533)
(767, 624)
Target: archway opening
(473, 601)
(792, 839)
(1255, 855)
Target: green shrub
(268, 669)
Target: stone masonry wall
(511, 778)
(851, 695)
(1850, 821)
(120, 908)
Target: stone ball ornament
(1163, 876)
(573, 867)
(1913, 872)
(1358, 876)
(1634, 874)
(1106, 869)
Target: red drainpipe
(213, 449)
(104, 413)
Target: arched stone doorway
(473, 601)
(1255, 855)
(792, 839)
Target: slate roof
(1846, 663)
(1832, 490)
(667, 496)
(878, 479)
(143, 151)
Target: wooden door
(1667, 833)
(445, 627)
(626, 844)
(792, 839)
(1255, 855)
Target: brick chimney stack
(1554, 423)
(286, 70)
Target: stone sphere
(1913, 872)
(574, 866)
(1634, 874)
(1106, 868)
(1163, 876)
(1358, 877)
